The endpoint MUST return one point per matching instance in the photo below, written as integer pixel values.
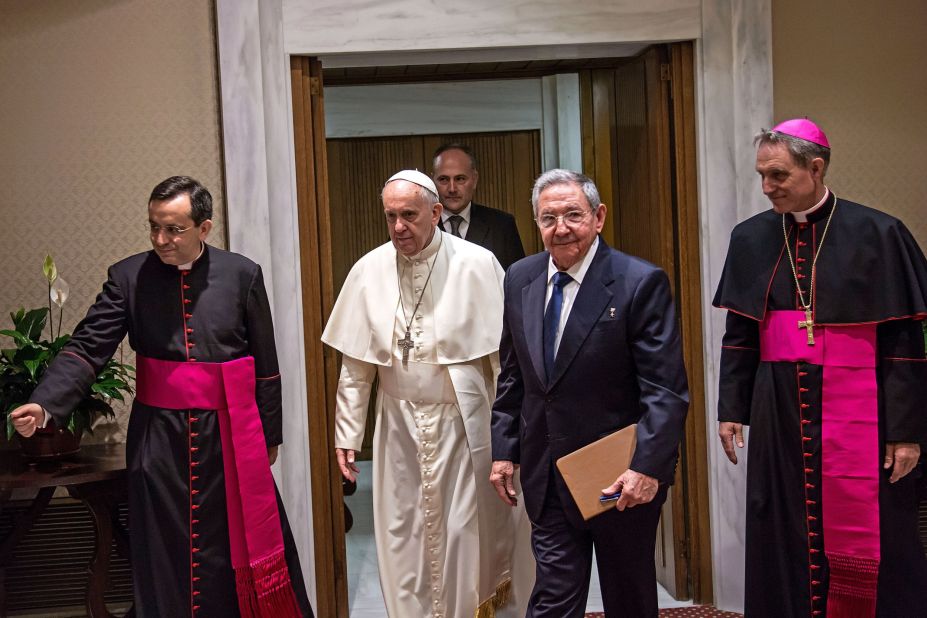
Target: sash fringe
(853, 586)
(487, 609)
(264, 589)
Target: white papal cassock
(444, 539)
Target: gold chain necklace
(808, 322)
(406, 343)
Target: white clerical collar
(464, 214)
(802, 216)
(577, 270)
(189, 264)
(428, 251)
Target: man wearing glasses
(209, 535)
(589, 345)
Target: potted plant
(22, 366)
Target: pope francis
(424, 313)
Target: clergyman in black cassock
(212, 310)
(867, 275)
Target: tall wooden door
(638, 145)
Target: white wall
(549, 104)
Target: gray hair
(802, 151)
(558, 176)
(424, 193)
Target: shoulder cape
(467, 305)
(870, 270)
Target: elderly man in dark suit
(456, 177)
(589, 345)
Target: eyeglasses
(571, 218)
(170, 230)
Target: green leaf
(56, 345)
(32, 366)
(32, 323)
(49, 269)
(17, 336)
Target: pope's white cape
(467, 290)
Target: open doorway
(635, 137)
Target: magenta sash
(850, 455)
(261, 575)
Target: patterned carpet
(696, 611)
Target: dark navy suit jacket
(619, 362)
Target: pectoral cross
(807, 324)
(406, 344)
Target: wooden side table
(97, 477)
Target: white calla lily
(59, 291)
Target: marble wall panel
(339, 26)
(261, 185)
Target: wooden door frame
(321, 362)
(697, 516)
(314, 221)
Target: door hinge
(315, 86)
(666, 72)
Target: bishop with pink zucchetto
(823, 357)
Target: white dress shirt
(577, 271)
(464, 225)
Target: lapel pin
(611, 312)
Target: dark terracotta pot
(49, 443)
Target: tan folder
(594, 467)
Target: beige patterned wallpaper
(100, 101)
(857, 68)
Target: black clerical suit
(869, 271)
(619, 362)
(178, 526)
(494, 230)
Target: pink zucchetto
(802, 128)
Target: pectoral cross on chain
(406, 344)
(807, 324)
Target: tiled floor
(364, 596)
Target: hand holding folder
(587, 470)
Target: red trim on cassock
(186, 316)
(81, 359)
(192, 520)
(808, 485)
